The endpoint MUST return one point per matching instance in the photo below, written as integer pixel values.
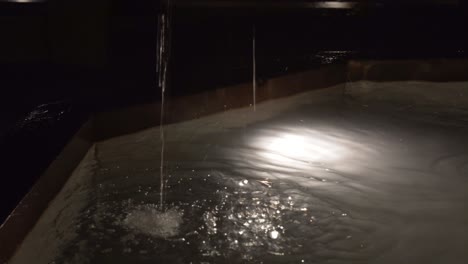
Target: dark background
(62, 60)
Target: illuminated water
(307, 179)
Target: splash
(149, 220)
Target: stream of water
(254, 71)
(162, 63)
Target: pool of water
(312, 178)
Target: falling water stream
(162, 86)
(159, 220)
(254, 70)
(163, 54)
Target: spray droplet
(274, 234)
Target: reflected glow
(336, 5)
(311, 146)
(274, 234)
(25, 1)
(244, 182)
(277, 4)
(289, 145)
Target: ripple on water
(349, 190)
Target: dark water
(310, 183)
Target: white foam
(149, 220)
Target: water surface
(306, 179)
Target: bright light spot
(244, 182)
(335, 4)
(301, 146)
(24, 1)
(290, 146)
(274, 234)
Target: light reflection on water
(300, 146)
(336, 185)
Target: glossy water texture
(307, 179)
